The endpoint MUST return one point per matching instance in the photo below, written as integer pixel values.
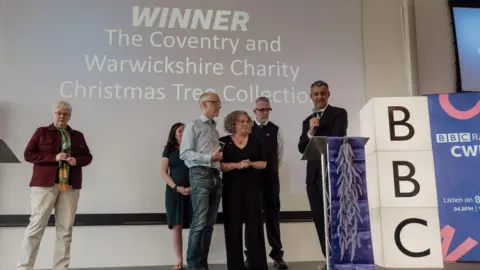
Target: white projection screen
(131, 69)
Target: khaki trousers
(43, 201)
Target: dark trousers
(206, 194)
(315, 198)
(271, 209)
(242, 201)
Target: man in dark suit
(326, 120)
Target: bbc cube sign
(401, 182)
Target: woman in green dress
(177, 193)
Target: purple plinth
(350, 219)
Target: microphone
(65, 148)
(318, 114)
(61, 163)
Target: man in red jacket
(58, 154)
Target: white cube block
(384, 120)
(416, 165)
(413, 238)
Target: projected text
(183, 54)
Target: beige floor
(293, 266)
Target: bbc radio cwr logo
(456, 137)
(461, 143)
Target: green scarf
(64, 167)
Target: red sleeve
(32, 153)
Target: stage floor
(296, 266)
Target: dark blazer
(334, 123)
(42, 150)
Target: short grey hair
(264, 99)
(319, 83)
(63, 105)
(205, 95)
(231, 118)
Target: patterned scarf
(64, 167)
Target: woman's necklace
(238, 141)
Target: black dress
(178, 206)
(242, 200)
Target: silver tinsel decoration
(349, 190)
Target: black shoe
(280, 264)
(246, 264)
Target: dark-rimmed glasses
(216, 102)
(264, 110)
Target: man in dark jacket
(326, 120)
(272, 140)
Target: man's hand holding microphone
(314, 122)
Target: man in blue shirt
(201, 151)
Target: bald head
(208, 96)
(210, 104)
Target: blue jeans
(207, 190)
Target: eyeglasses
(62, 114)
(216, 102)
(243, 121)
(263, 110)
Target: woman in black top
(177, 193)
(242, 161)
